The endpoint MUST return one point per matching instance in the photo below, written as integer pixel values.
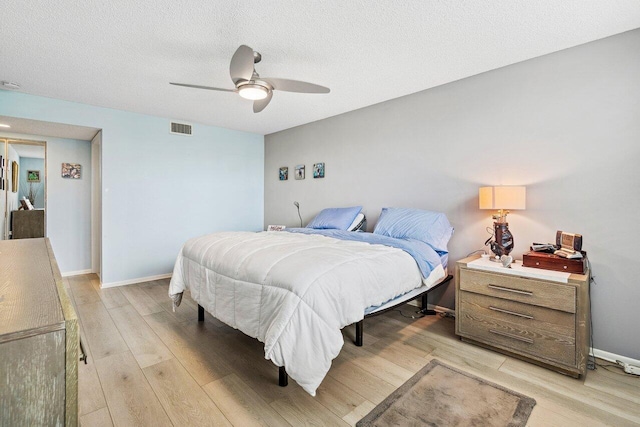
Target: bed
(294, 291)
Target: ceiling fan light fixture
(249, 85)
(253, 92)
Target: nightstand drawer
(539, 320)
(528, 291)
(531, 341)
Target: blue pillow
(335, 218)
(433, 228)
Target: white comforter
(293, 292)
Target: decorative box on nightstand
(541, 316)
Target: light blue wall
(68, 207)
(69, 204)
(27, 164)
(159, 189)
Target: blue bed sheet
(424, 255)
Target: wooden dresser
(38, 338)
(27, 224)
(527, 313)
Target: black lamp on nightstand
(501, 198)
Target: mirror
(23, 189)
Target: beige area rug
(439, 395)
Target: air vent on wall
(180, 128)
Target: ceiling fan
(251, 86)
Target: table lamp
(501, 198)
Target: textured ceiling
(123, 53)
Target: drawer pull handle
(515, 337)
(513, 313)
(515, 291)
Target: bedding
(433, 228)
(335, 218)
(422, 253)
(295, 291)
(412, 294)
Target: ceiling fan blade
(203, 87)
(260, 104)
(241, 67)
(295, 86)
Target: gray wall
(566, 125)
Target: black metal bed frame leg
(283, 377)
(425, 304)
(200, 313)
(359, 332)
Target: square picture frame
(33, 176)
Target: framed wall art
(71, 170)
(15, 173)
(33, 176)
(318, 170)
(300, 172)
(284, 173)
(1, 173)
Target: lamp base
(503, 243)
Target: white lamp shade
(503, 197)
(253, 92)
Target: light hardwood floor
(151, 366)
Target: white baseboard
(437, 308)
(76, 273)
(134, 281)
(612, 357)
(441, 309)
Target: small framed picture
(33, 176)
(284, 173)
(71, 170)
(300, 172)
(318, 170)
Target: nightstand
(540, 316)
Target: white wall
(566, 125)
(158, 189)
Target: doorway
(73, 192)
(23, 188)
